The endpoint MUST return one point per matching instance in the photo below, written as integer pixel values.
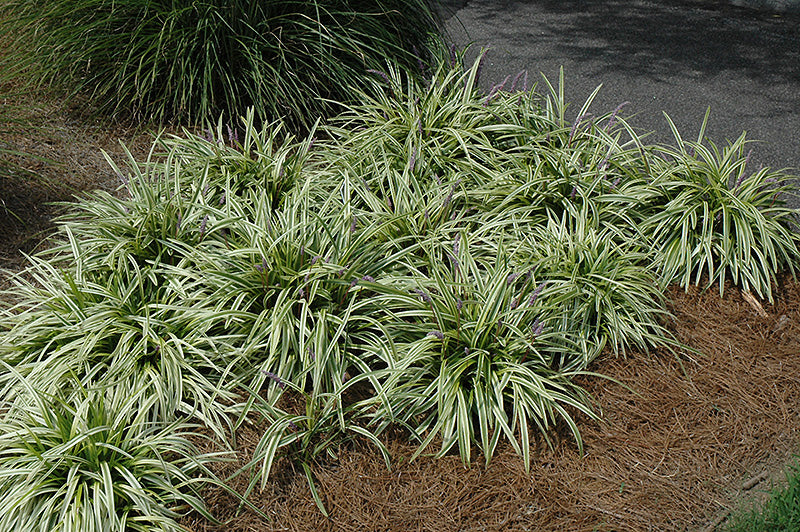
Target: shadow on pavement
(694, 38)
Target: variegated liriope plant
(120, 306)
(439, 259)
(719, 219)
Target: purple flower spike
(480, 65)
(425, 297)
(537, 327)
(233, 135)
(277, 380)
(453, 261)
(459, 304)
(492, 93)
(503, 84)
(613, 119)
(368, 278)
(536, 293)
(380, 73)
(516, 79)
(436, 334)
(412, 160)
(511, 278)
(203, 226)
(450, 194)
(453, 55)
(739, 181)
(575, 127)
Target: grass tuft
(188, 61)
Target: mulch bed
(680, 432)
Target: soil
(49, 154)
(681, 434)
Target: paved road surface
(678, 56)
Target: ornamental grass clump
(95, 462)
(126, 328)
(188, 61)
(236, 159)
(308, 427)
(606, 295)
(591, 171)
(123, 298)
(297, 274)
(718, 219)
(475, 356)
(411, 136)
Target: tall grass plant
(188, 61)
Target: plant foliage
(438, 259)
(92, 463)
(720, 220)
(186, 60)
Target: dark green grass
(781, 513)
(188, 61)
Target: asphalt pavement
(675, 56)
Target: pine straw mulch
(680, 436)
